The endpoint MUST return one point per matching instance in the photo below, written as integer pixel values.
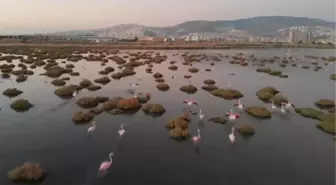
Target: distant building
(296, 37)
(309, 38)
(169, 39)
(291, 36)
(146, 38)
(193, 38)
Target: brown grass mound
(189, 89)
(258, 111)
(227, 94)
(163, 87)
(28, 172)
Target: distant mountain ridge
(260, 26)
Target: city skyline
(61, 15)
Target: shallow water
(285, 149)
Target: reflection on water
(121, 147)
(201, 124)
(197, 149)
(286, 149)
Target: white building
(296, 37)
(193, 38)
(169, 39)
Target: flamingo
(75, 93)
(93, 127)
(197, 138)
(201, 115)
(239, 105)
(282, 108)
(273, 105)
(121, 131)
(190, 102)
(289, 105)
(106, 164)
(189, 80)
(231, 115)
(232, 136)
(133, 85)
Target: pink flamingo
(190, 102)
(106, 164)
(239, 105)
(197, 138)
(231, 115)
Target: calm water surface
(285, 149)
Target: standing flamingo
(133, 85)
(289, 105)
(239, 105)
(75, 93)
(197, 138)
(190, 102)
(121, 131)
(273, 106)
(93, 127)
(189, 80)
(282, 109)
(201, 115)
(131, 88)
(232, 136)
(231, 115)
(106, 164)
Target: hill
(266, 25)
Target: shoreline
(160, 46)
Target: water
(284, 150)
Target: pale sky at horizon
(59, 15)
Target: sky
(63, 15)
